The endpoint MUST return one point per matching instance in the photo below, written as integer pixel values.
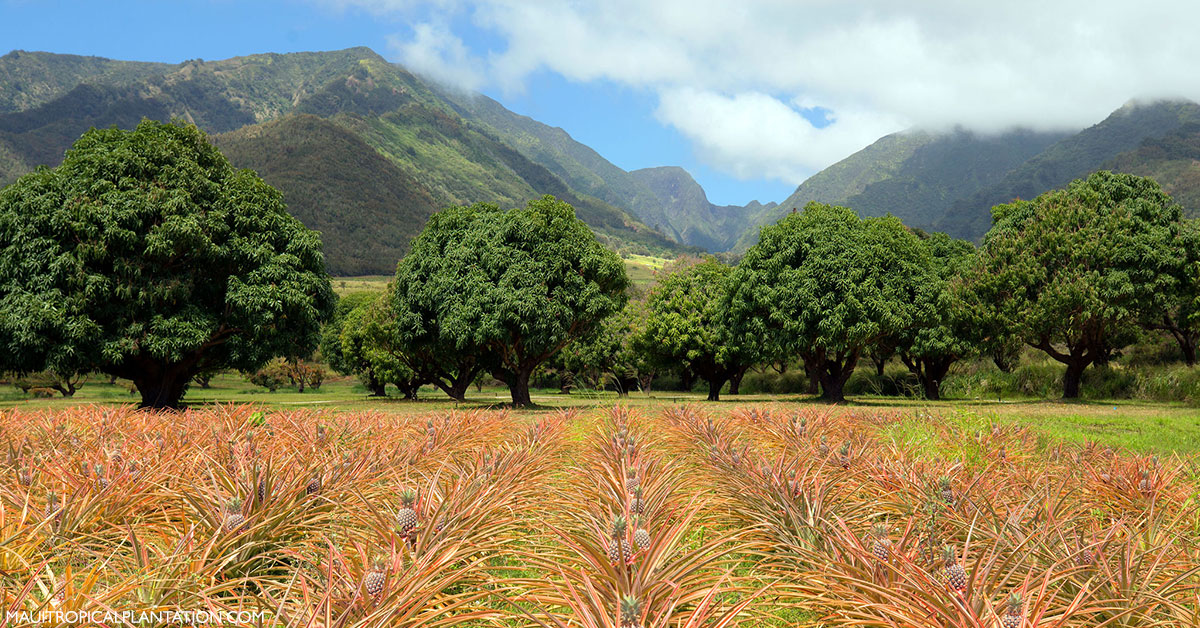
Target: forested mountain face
(914, 175)
(1173, 160)
(684, 212)
(949, 181)
(362, 150)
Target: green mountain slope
(577, 164)
(915, 175)
(29, 79)
(366, 208)
(308, 122)
(1070, 158)
(684, 211)
(1173, 160)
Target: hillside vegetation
(362, 150)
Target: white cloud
(754, 135)
(435, 51)
(878, 65)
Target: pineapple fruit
(406, 518)
(631, 611)
(373, 581)
(619, 550)
(641, 538)
(631, 481)
(947, 491)
(235, 521)
(314, 485)
(637, 505)
(1012, 614)
(882, 545)
(956, 576)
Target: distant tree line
(147, 257)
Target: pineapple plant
(1012, 614)
(52, 509)
(1146, 485)
(631, 611)
(882, 545)
(844, 455)
(956, 576)
(619, 550)
(637, 505)
(374, 579)
(406, 518)
(235, 521)
(101, 481)
(823, 447)
(641, 538)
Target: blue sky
(614, 119)
(750, 96)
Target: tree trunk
(1189, 351)
(714, 387)
(735, 379)
(812, 374)
(376, 387)
(880, 362)
(832, 389)
(162, 389)
(687, 379)
(1072, 377)
(834, 374)
(519, 387)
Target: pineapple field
(603, 517)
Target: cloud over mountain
(729, 75)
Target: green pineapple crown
(618, 526)
(845, 450)
(949, 554)
(944, 482)
(880, 530)
(631, 608)
(233, 504)
(408, 498)
(1014, 604)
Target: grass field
(1139, 426)
(640, 269)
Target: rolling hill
(362, 149)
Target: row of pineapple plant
(234, 508)
(632, 544)
(1015, 534)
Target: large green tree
(1182, 317)
(369, 341)
(331, 341)
(503, 290)
(932, 347)
(611, 352)
(688, 324)
(826, 285)
(145, 255)
(1075, 271)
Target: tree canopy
(145, 255)
(687, 324)
(931, 348)
(506, 289)
(825, 284)
(1075, 271)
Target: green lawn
(1140, 426)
